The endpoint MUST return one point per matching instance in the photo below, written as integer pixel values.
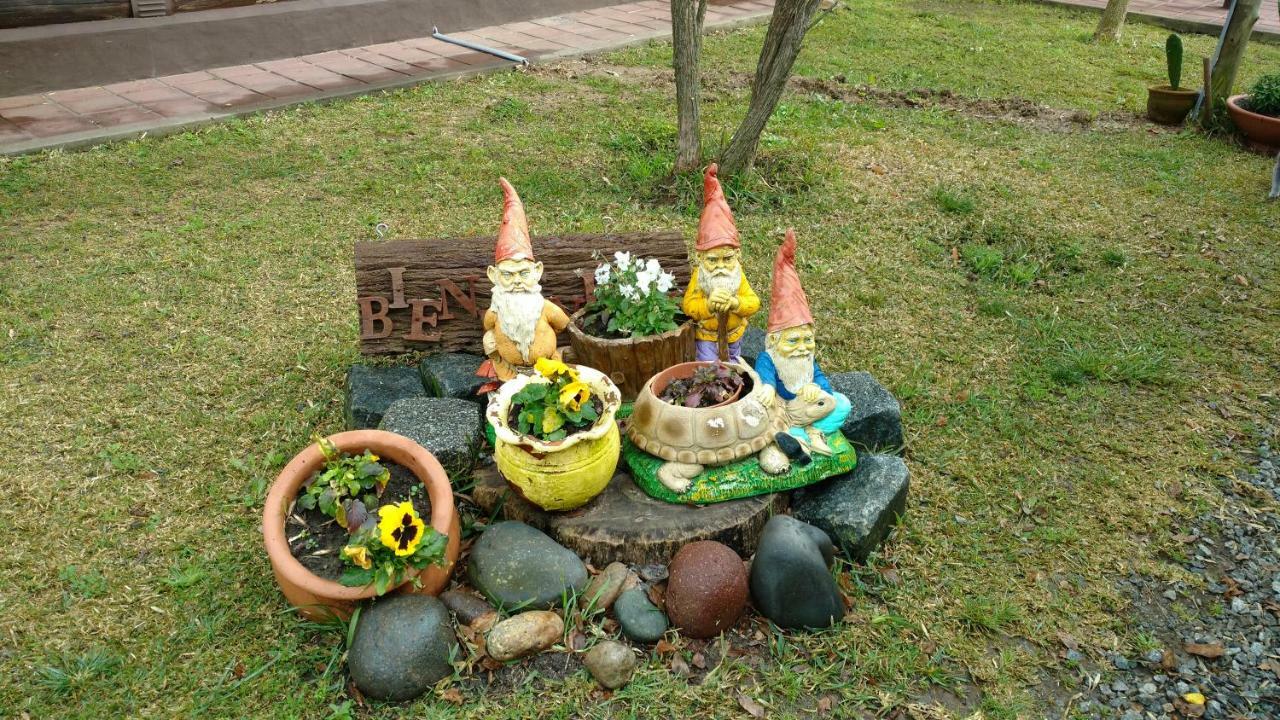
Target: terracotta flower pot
(1260, 129)
(562, 474)
(317, 598)
(1168, 106)
(629, 362)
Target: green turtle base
(740, 479)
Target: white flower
(665, 281)
(602, 274)
(629, 292)
(645, 280)
(623, 259)
(652, 266)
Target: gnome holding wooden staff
(789, 364)
(718, 292)
(520, 326)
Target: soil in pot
(316, 540)
(597, 325)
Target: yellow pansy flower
(358, 554)
(551, 369)
(573, 395)
(400, 528)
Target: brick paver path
(92, 114)
(1202, 15)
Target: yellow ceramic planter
(565, 474)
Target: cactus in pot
(1170, 104)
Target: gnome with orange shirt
(718, 291)
(789, 364)
(520, 326)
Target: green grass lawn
(1056, 307)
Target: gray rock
(517, 566)
(857, 509)
(452, 375)
(469, 609)
(605, 587)
(371, 390)
(402, 647)
(449, 428)
(752, 345)
(791, 582)
(640, 619)
(875, 421)
(611, 663)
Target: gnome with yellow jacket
(718, 291)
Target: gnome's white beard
(723, 279)
(518, 315)
(793, 372)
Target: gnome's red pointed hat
(788, 306)
(513, 236)
(716, 229)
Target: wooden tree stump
(624, 524)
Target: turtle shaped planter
(701, 455)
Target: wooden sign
(432, 294)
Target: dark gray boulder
(402, 647)
(857, 509)
(519, 567)
(371, 390)
(752, 345)
(451, 429)
(875, 421)
(452, 375)
(791, 582)
(640, 619)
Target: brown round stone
(707, 590)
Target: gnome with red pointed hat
(788, 362)
(520, 326)
(717, 289)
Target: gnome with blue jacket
(790, 366)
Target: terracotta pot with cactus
(1170, 104)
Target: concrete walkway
(92, 115)
(1201, 16)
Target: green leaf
(356, 577)
(371, 470)
(307, 501)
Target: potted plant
(1169, 104)
(556, 437)
(1258, 113)
(632, 327)
(382, 537)
(700, 384)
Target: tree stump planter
(630, 362)
(317, 598)
(1261, 130)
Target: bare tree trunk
(791, 20)
(686, 36)
(1112, 20)
(1236, 32)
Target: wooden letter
(397, 288)
(419, 318)
(369, 317)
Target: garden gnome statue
(519, 327)
(718, 291)
(788, 362)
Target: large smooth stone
(524, 634)
(858, 509)
(791, 582)
(605, 587)
(707, 590)
(469, 609)
(624, 524)
(752, 345)
(516, 566)
(875, 418)
(611, 663)
(640, 619)
(452, 375)
(402, 647)
(371, 390)
(450, 429)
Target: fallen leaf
(941, 421)
(1068, 641)
(1240, 280)
(877, 168)
(700, 661)
(753, 708)
(577, 641)
(1186, 539)
(1205, 650)
(1168, 661)
(663, 647)
(679, 666)
(657, 596)
(452, 695)
(825, 703)
(889, 575)
(1194, 698)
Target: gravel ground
(1223, 640)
